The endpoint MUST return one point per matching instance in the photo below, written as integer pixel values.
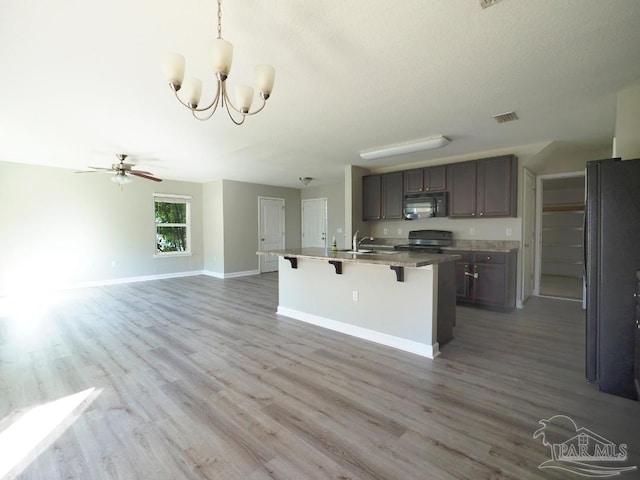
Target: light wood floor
(197, 378)
(560, 286)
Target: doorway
(314, 223)
(270, 231)
(560, 261)
(528, 235)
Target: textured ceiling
(82, 81)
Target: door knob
(262, 239)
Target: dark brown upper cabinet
(382, 196)
(392, 196)
(483, 188)
(372, 197)
(430, 179)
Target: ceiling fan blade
(141, 171)
(142, 175)
(101, 168)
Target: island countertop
(392, 258)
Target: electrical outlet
(472, 231)
(338, 230)
(355, 295)
(399, 231)
(509, 231)
(385, 231)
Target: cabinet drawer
(490, 257)
(467, 257)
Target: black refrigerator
(612, 258)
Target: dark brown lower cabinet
(486, 279)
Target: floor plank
(198, 378)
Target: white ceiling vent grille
(488, 3)
(505, 117)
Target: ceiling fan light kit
(404, 148)
(121, 179)
(221, 59)
(122, 172)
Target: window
(173, 224)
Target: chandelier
(221, 57)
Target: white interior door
(528, 235)
(314, 223)
(271, 220)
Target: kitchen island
(405, 300)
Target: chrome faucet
(356, 243)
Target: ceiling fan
(122, 171)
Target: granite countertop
(458, 245)
(392, 258)
(483, 246)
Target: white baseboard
(118, 281)
(422, 349)
(144, 278)
(231, 274)
(210, 273)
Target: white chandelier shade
(221, 59)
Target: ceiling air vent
(488, 3)
(505, 117)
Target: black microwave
(425, 205)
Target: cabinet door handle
(473, 214)
(481, 213)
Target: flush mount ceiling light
(221, 57)
(305, 180)
(488, 3)
(404, 148)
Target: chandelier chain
(219, 18)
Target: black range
(427, 241)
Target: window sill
(172, 254)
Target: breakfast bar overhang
(404, 300)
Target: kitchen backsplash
(472, 245)
(467, 229)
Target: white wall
(335, 196)
(65, 228)
(213, 226)
(353, 203)
(240, 212)
(628, 123)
